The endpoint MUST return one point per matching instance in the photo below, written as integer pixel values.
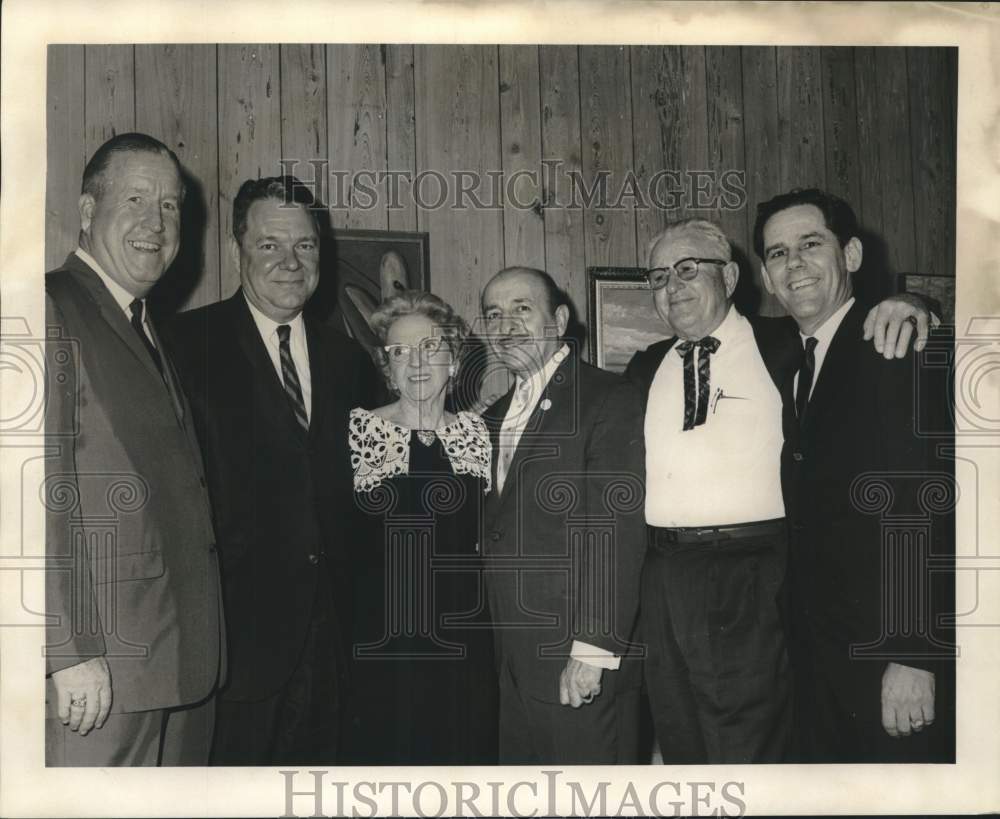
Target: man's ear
(853, 253)
(234, 251)
(730, 275)
(86, 204)
(562, 319)
(766, 279)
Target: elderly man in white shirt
(710, 613)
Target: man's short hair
(554, 295)
(287, 189)
(700, 227)
(94, 174)
(837, 214)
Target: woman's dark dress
(424, 690)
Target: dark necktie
(290, 377)
(136, 308)
(696, 402)
(806, 372)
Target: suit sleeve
(608, 584)
(913, 416)
(69, 592)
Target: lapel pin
(546, 404)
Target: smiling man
(133, 592)
(563, 536)
(873, 672)
(717, 664)
(271, 391)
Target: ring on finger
(912, 320)
(78, 702)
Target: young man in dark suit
(134, 645)
(563, 536)
(271, 391)
(873, 665)
(717, 667)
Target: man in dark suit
(867, 501)
(563, 536)
(133, 649)
(717, 666)
(271, 391)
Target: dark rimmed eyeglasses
(686, 269)
(426, 347)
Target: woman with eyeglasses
(423, 682)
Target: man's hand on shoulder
(907, 699)
(891, 323)
(83, 694)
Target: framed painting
(369, 266)
(622, 319)
(938, 290)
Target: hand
(84, 694)
(579, 683)
(889, 323)
(907, 699)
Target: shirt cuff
(595, 656)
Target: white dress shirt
(268, 329)
(727, 470)
(824, 335)
(121, 296)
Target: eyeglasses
(426, 347)
(686, 269)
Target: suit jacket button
(211, 548)
(495, 535)
(798, 456)
(314, 559)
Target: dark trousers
(534, 732)
(717, 670)
(838, 711)
(177, 736)
(299, 724)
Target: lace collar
(380, 449)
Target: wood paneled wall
(875, 125)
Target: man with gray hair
(710, 613)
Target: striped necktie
(696, 402)
(290, 376)
(513, 421)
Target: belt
(710, 534)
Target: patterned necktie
(806, 373)
(290, 377)
(696, 402)
(136, 308)
(513, 420)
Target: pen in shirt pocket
(719, 395)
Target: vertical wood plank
(840, 124)
(761, 146)
(894, 155)
(110, 95)
(457, 118)
(401, 135)
(869, 206)
(726, 158)
(933, 103)
(176, 98)
(65, 152)
(521, 155)
(670, 117)
(559, 75)
(606, 126)
(357, 134)
(249, 133)
(800, 118)
(303, 115)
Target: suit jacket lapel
(169, 375)
(839, 360)
(324, 373)
(266, 378)
(111, 311)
